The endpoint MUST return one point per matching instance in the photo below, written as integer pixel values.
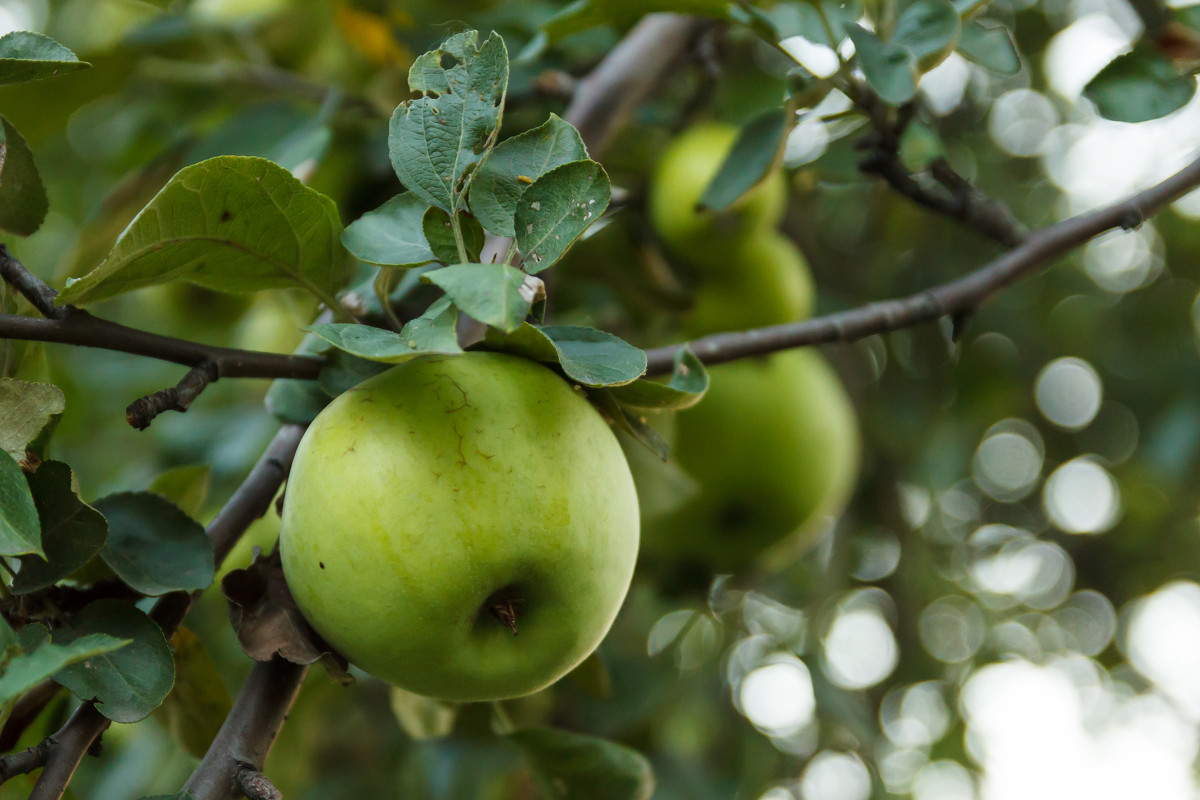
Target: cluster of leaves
(120, 548)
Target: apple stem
(504, 609)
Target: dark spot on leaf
(321, 564)
(226, 216)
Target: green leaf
(20, 530)
(753, 156)
(687, 386)
(423, 717)
(291, 136)
(570, 765)
(186, 487)
(557, 208)
(1140, 85)
(888, 67)
(345, 371)
(391, 235)
(990, 46)
(435, 139)
(929, 29)
(516, 163)
(296, 401)
(23, 203)
(633, 424)
(494, 294)
(435, 331)
(25, 409)
(586, 355)
(129, 683)
(231, 223)
(583, 15)
(440, 235)
(199, 702)
(72, 531)
(42, 658)
(376, 344)
(29, 56)
(153, 546)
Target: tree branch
(249, 502)
(956, 298)
(141, 412)
(241, 747)
(27, 760)
(25, 711)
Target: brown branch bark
(25, 761)
(141, 412)
(956, 298)
(25, 711)
(249, 502)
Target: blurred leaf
(129, 683)
(153, 546)
(23, 203)
(344, 371)
(296, 401)
(72, 531)
(267, 621)
(990, 46)
(755, 153)
(687, 386)
(516, 163)
(440, 235)
(494, 294)
(888, 67)
(180, 796)
(436, 138)
(231, 223)
(392, 234)
(377, 344)
(569, 765)
(593, 676)
(290, 136)
(423, 717)
(186, 487)
(587, 356)
(556, 209)
(25, 409)
(40, 658)
(582, 15)
(1140, 85)
(929, 29)
(29, 56)
(199, 702)
(633, 424)
(20, 531)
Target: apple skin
(774, 446)
(426, 491)
(766, 281)
(678, 183)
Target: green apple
(679, 181)
(765, 281)
(464, 527)
(774, 446)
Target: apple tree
(690, 398)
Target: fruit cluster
(774, 445)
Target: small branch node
(254, 784)
(26, 760)
(141, 412)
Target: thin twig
(25, 761)
(956, 298)
(141, 412)
(249, 502)
(25, 711)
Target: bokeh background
(1009, 608)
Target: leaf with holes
(436, 139)
(233, 223)
(1139, 86)
(40, 658)
(72, 531)
(25, 409)
(557, 208)
(687, 386)
(129, 683)
(754, 154)
(23, 203)
(888, 67)
(29, 56)
(572, 765)
(516, 163)
(153, 546)
(495, 294)
(440, 235)
(391, 235)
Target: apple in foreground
(464, 527)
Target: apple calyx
(503, 607)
